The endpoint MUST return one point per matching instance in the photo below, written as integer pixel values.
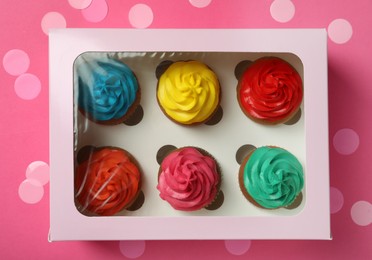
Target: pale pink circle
(96, 11)
(237, 247)
(340, 31)
(52, 20)
(361, 213)
(337, 200)
(282, 10)
(79, 4)
(39, 171)
(140, 16)
(30, 191)
(27, 86)
(132, 249)
(16, 62)
(346, 141)
(200, 3)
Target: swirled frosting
(188, 180)
(107, 182)
(273, 177)
(270, 90)
(107, 88)
(188, 92)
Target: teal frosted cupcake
(271, 177)
(108, 90)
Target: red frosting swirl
(270, 90)
(188, 180)
(107, 182)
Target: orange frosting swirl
(106, 182)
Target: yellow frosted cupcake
(188, 92)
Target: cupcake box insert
(150, 132)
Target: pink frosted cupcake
(189, 179)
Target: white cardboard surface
(221, 50)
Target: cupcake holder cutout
(155, 135)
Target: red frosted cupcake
(270, 91)
(108, 181)
(189, 179)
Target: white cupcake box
(222, 50)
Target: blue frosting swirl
(107, 89)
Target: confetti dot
(346, 141)
(340, 31)
(282, 10)
(132, 249)
(30, 191)
(16, 62)
(337, 200)
(237, 247)
(39, 171)
(140, 16)
(52, 20)
(361, 213)
(96, 12)
(79, 4)
(200, 3)
(27, 86)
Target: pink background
(24, 121)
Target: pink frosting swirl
(188, 180)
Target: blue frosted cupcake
(108, 90)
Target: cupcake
(107, 181)
(270, 91)
(271, 177)
(108, 90)
(189, 179)
(188, 92)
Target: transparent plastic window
(189, 133)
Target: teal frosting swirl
(107, 88)
(273, 177)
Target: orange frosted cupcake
(108, 181)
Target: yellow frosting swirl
(188, 92)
